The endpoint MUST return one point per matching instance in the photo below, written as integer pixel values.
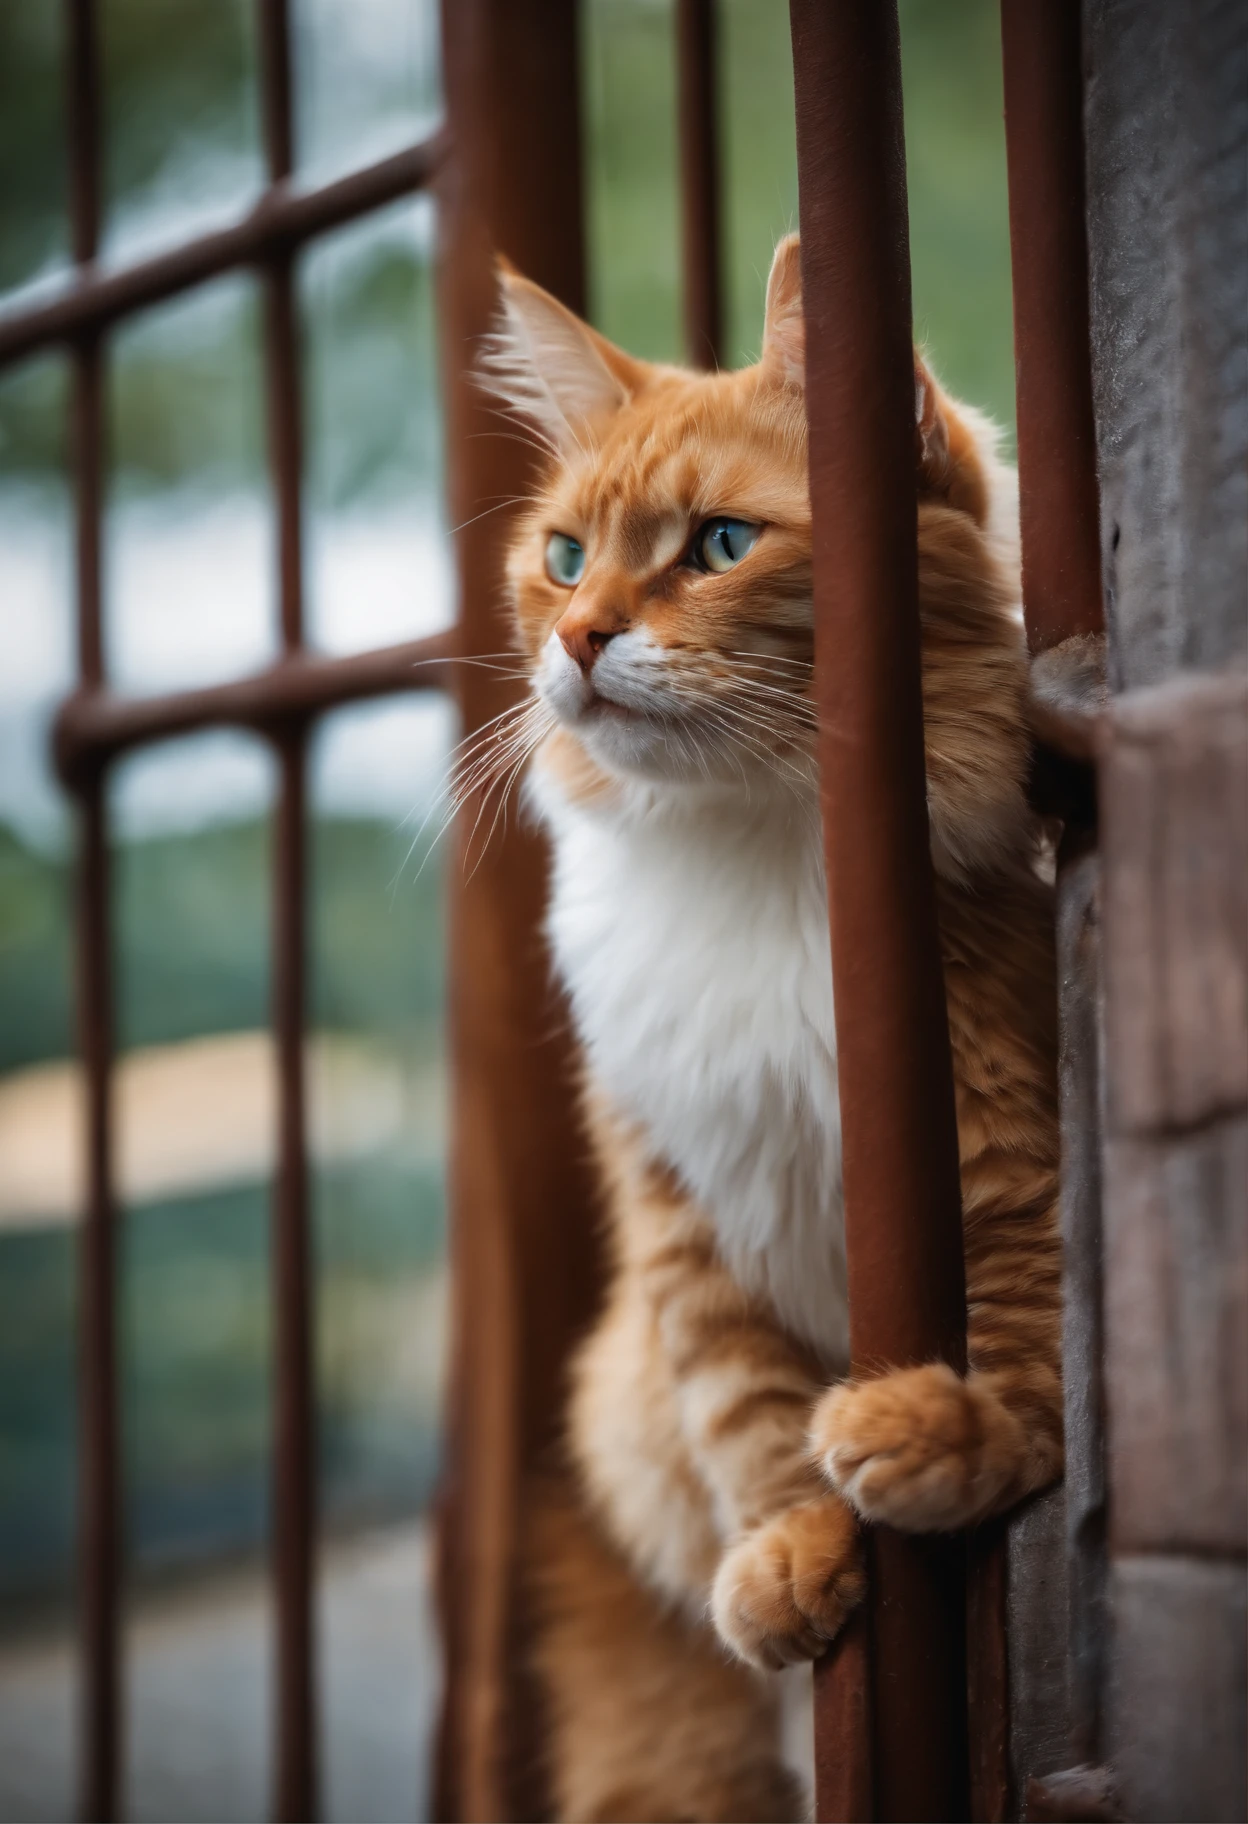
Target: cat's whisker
(454, 789)
(492, 662)
(742, 680)
(778, 762)
(513, 500)
(737, 731)
(503, 782)
(486, 754)
(521, 434)
(486, 746)
(764, 717)
(501, 807)
(482, 731)
(800, 707)
(771, 658)
(446, 793)
(491, 765)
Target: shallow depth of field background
(190, 598)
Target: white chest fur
(693, 942)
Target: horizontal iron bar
(94, 725)
(282, 218)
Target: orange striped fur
(718, 1458)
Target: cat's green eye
(565, 560)
(721, 543)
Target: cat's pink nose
(581, 641)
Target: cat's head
(661, 580)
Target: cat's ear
(931, 429)
(784, 327)
(949, 462)
(547, 366)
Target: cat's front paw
(920, 1449)
(785, 1589)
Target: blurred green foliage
(955, 154)
(38, 1482)
(34, 185)
(186, 393)
(374, 430)
(179, 96)
(959, 212)
(196, 1342)
(35, 956)
(191, 921)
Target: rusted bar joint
(94, 725)
(284, 217)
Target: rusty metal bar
(276, 109)
(900, 1155)
(700, 188)
(99, 1446)
(283, 219)
(82, 122)
(281, 357)
(524, 1264)
(94, 726)
(1059, 511)
(1058, 499)
(296, 1785)
(294, 1479)
(99, 1495)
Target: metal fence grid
(92, 728)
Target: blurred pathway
(202, 1114)
(199, 1702)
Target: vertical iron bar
(285, 441)
(700, 189)
(1059, 512)
(525, 1269)
(294, 1479)
(1058, 500)
(294, 1493)
(276, 108)
(83, 127)
(100, 1490)
(900, 1155)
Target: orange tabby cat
(720, 1460)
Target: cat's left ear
(784, 326)
(931, 431)
(950, 465)
(548, 366)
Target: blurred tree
(179, 99)
(33, 178)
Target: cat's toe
(785, 1589)
(920, 1449)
